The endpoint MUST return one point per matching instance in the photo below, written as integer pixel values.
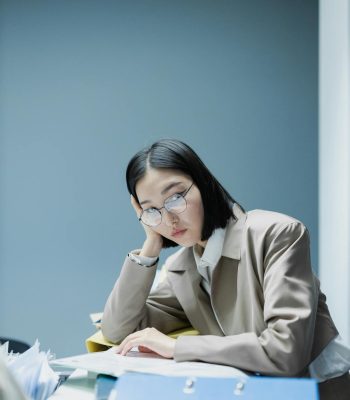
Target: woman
(243, 280)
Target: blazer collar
(233, 237)
(231, 247)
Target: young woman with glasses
(243, 280)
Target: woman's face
(157, 186)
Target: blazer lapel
(224, 293)
(185, 281)
(210, 316)
(224, 279)
(233, 237)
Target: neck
(202, 243)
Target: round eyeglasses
(173, 204)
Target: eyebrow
(165, 190)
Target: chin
(186, 243)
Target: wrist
(142, 260)
(151, 248)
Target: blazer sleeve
(290, 302)
(131, 307)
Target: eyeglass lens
(153, 217)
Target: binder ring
(239, 388)
(189, 386)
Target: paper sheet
(110, 363)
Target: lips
(178, 232)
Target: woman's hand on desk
(149, 338)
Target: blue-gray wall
(84, 84)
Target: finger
(121, 346)
(154, 341)
(135, 339)
(130, 337)
(132, 343)
(144, 349)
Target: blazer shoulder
(270, 221)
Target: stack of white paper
(110, 363)
(32, 371)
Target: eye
(151, 210)
(174, 197)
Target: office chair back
(16, 346)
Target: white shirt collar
(212, 251)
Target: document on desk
(109, 363)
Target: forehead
(155, 180)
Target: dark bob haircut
(173, 154)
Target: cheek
(158, 229)
(196, 214)
(162, 230)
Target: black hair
(174, 154)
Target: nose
(170, 218)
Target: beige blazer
(265, 313)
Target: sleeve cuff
(142, 260)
